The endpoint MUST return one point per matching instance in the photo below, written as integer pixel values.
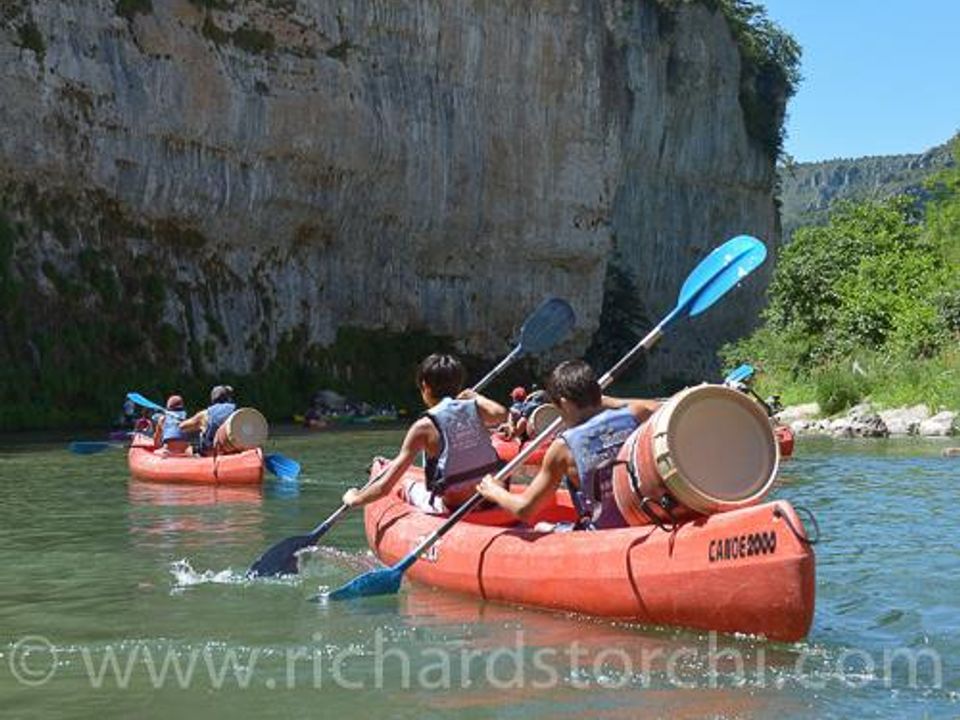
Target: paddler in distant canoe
(208, 421)
(453, 435)
(584, 453)
(168, 433)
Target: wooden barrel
(708, 449)
(245, 429)
(541, 418)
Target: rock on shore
(866, 421)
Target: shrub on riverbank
(867, 304)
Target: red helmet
(518, 394)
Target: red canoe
(507, 450)
(784, 440)
(244, 468)
(749, 570)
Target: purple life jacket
(466, 453)
(595, 445)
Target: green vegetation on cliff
(769, 65)
(867, 305)
(770, 71)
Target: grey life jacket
(594, 445)
(171, 426)
(466, 453)
(216, 416)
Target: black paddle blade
(385, 581)
(281, 559)
(549, 324)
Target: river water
(123, 599)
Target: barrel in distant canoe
(245, 429)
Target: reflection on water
(190, 516)
(97, 564)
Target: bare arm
(491, 412)
(414, 442)
(524, 505)
(195, 423)
(641, 408)
(158, 431)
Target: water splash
(323, 561)
(185, 576)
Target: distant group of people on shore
(327, 406)
(174, 431)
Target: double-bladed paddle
(716, 275)
(739, 375)
(283, 467)
(550, 323)
(738, 379)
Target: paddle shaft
(507, 470)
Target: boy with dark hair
(597, 426)
(453, 436)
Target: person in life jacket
(453, 437)
(167, 433)
(143, 424)
(518, 423)
(514, 414)
(583, 454)
(208, 421)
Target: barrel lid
(247, 427)
(716, 449)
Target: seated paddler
(453, 435)
(208, 421)
(583, 455)
(167, 433)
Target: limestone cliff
(217, 181)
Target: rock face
(260, 173)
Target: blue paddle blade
(81, 447)
(385, 581)
(719, 272)
(138, 399)
(282, 466)
(740, 374)
(548, 325)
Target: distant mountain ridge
(809, 189)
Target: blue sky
(880, 77)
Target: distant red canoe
(749, 570)
(784, 440)
(244, 468)
(507, 450)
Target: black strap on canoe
(777, 512)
